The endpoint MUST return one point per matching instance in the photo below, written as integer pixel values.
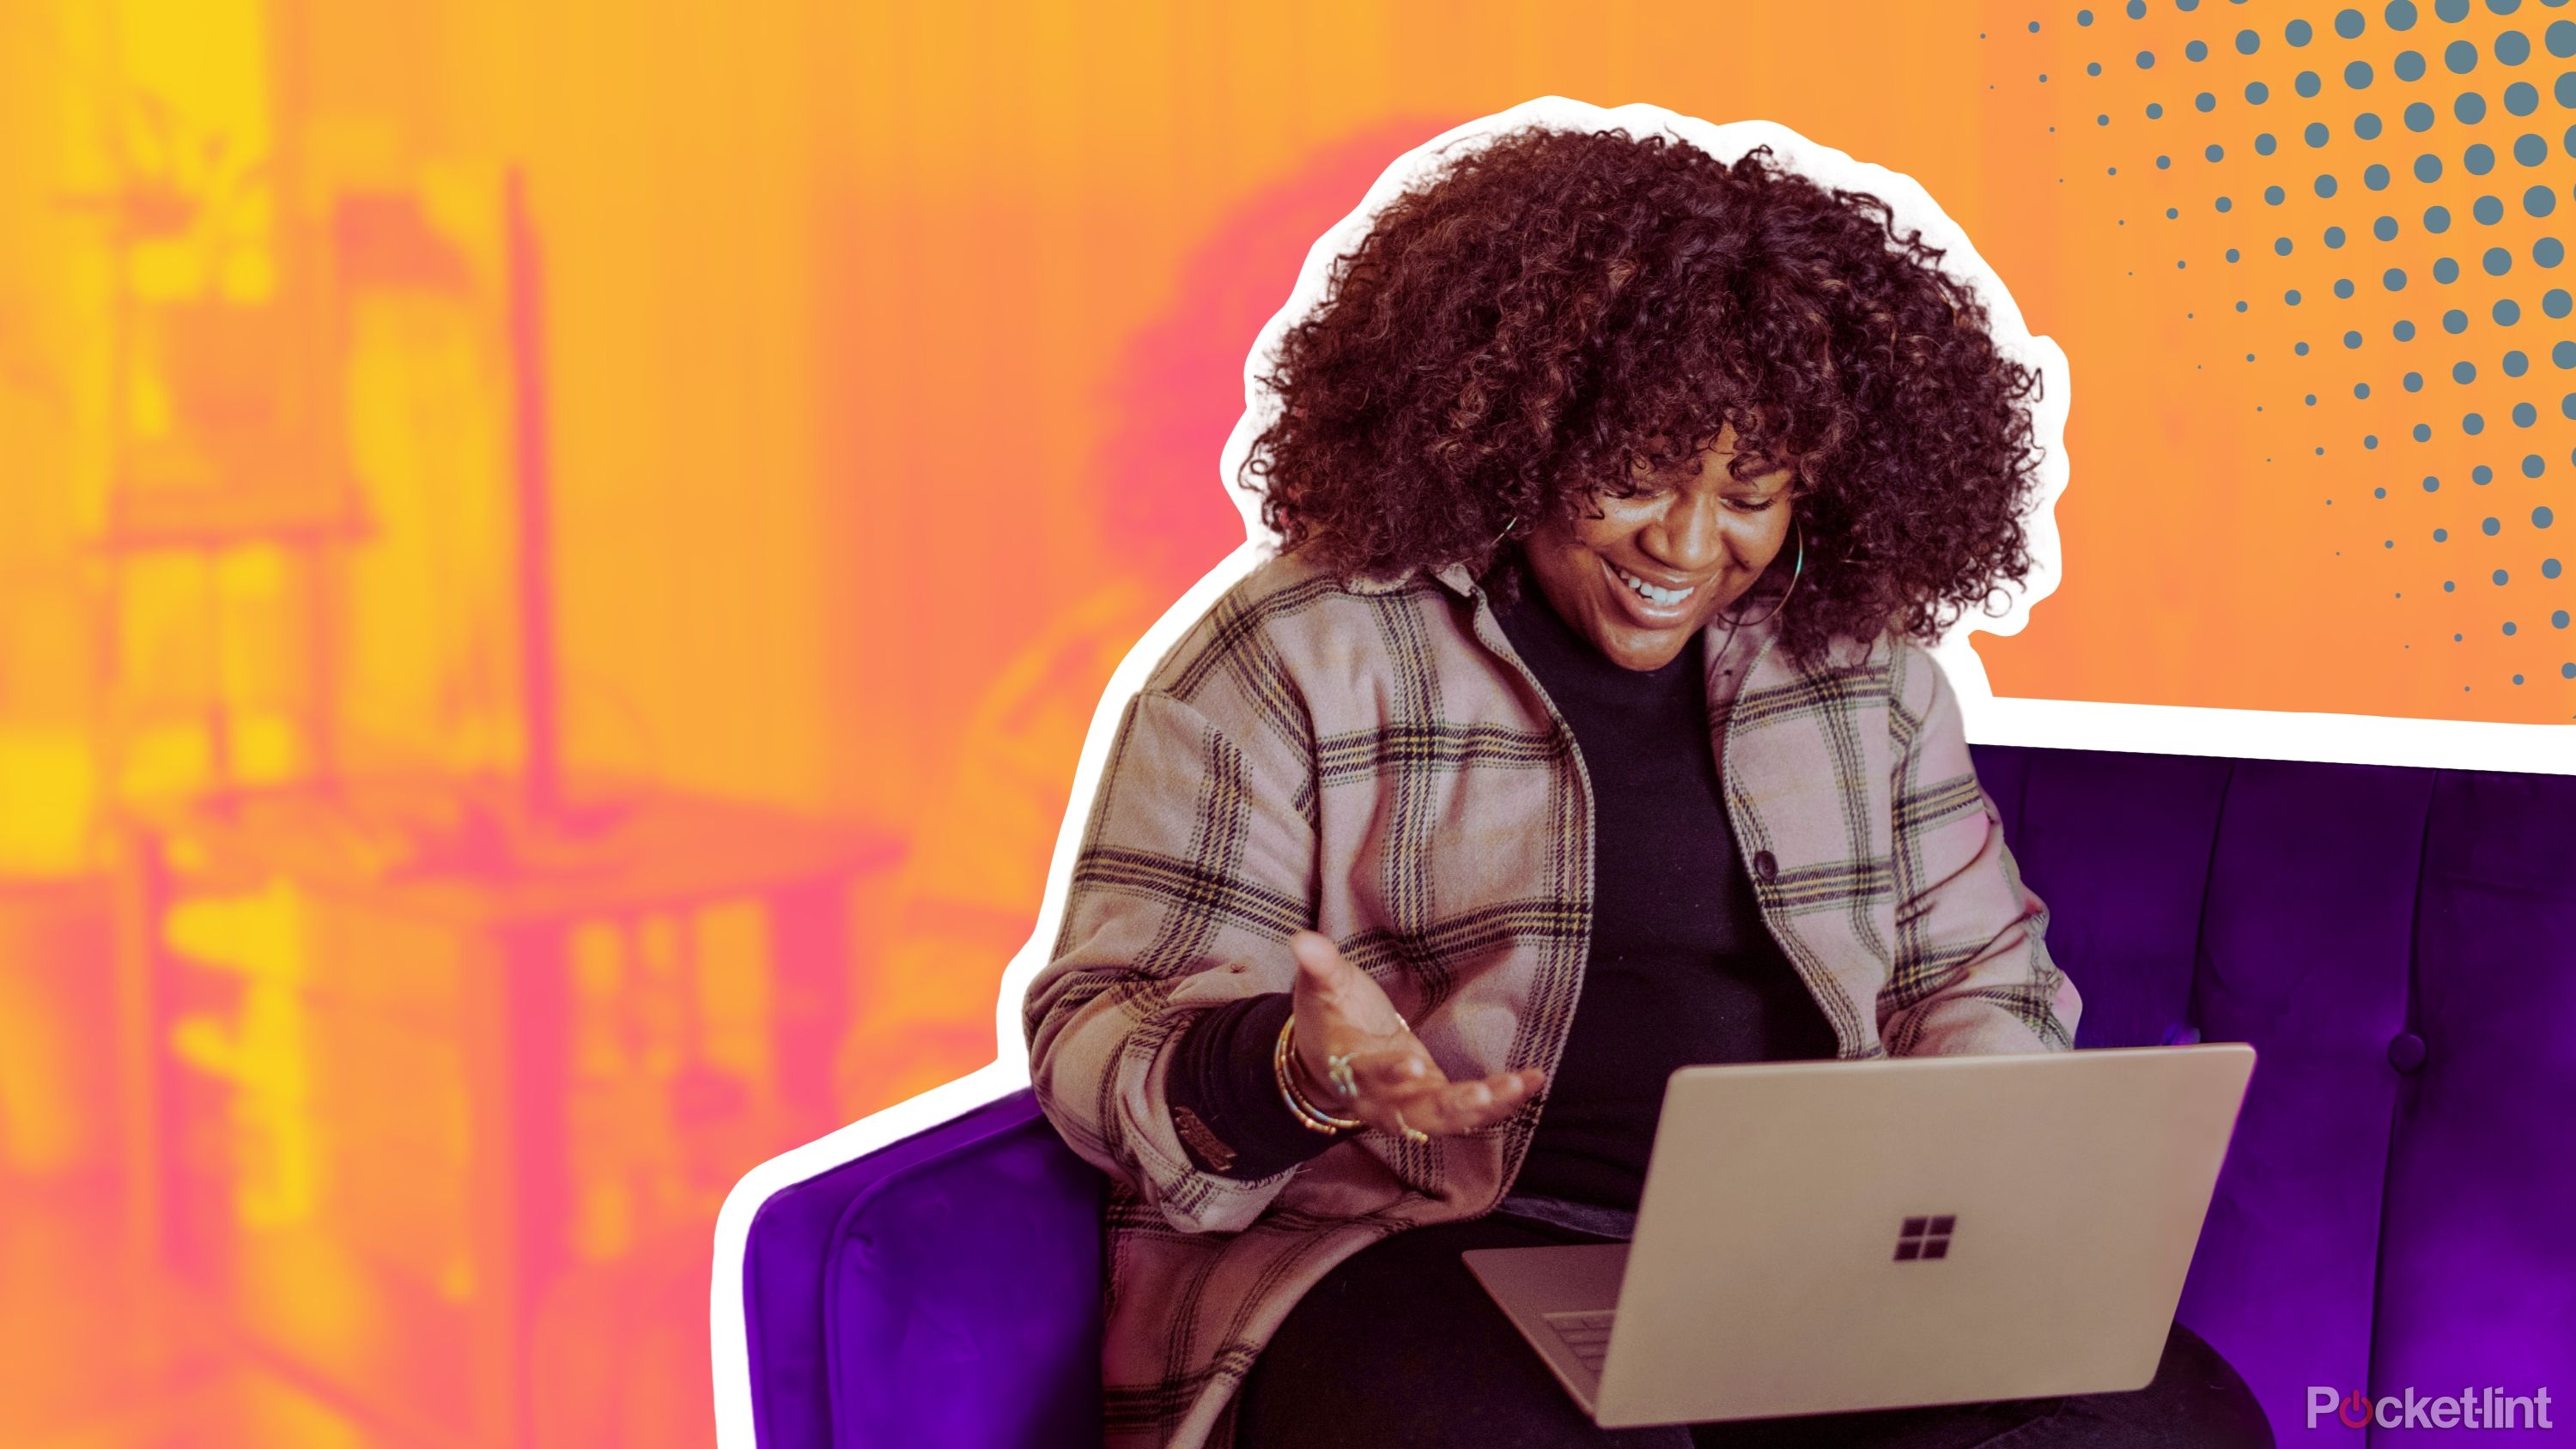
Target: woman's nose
(1690, 534)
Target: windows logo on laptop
(1925, 1238)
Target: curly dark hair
(1556, 308)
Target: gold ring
(1337, 1071)
(1411, 1132)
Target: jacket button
(1764, 867)
(2406, 1052)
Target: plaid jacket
(1370, 758)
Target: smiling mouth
(1653, 594)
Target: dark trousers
(1401, 1345)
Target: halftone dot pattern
(2402, 178)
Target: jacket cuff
(1224, 1095)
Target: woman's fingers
(1327, 979)
(1449, 1108)
(1394, 1072)
(1319, 962)
(1405, 1080)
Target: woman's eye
(1751, 505)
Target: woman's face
(1696, 544)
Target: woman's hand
(1339, 1011)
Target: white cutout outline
(2050, 723)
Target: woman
(1582, 730)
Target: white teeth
(1649, 592)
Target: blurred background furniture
(432, 1062)
(2399, 945)
(400, 1109)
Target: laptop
(1822, 1237)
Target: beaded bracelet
(1308, 1115)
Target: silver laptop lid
(1826, 1236)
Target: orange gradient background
(554, 561)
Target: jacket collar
(1455, 578)
(1752, 645)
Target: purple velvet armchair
(2398, 1210)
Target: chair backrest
(2400, 947)
(944, 1291)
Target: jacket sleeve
(1972, 972)
(1196, 867)
(1224, 1094)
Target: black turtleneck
(1682, 971)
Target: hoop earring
(1795, 571)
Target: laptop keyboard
(1587, 1333)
